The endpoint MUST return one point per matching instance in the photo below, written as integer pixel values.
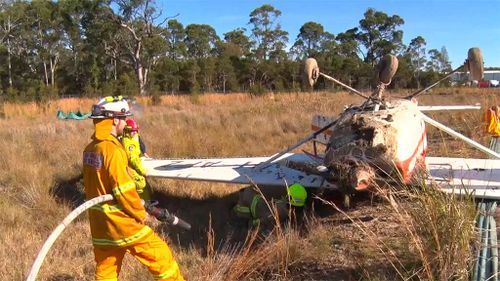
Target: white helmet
(110, 107)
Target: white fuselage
(392, 137)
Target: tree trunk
(9, 63)
(140, 79)
(45, 73)
(52, 73)
(224, 83)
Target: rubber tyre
(475, 64)
(387, 68)
(311, 71)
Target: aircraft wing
(479, 177)
(236, 170)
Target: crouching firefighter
(134, 147)
(261, 212)
(117, 226)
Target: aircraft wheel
(387, 68)
(474, 64)
(311, 70)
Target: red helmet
(132, 125)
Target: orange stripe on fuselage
(404, 165)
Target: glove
(159, 213)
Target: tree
(379, 34)
(11, 19)
(175, 39)
(416, 52)
(81, 69)
(309, 39)
(439, 61)
(348, 43)
(238, 44)
(271, 40)
(142, 41)
(201, 40)
(44, 35)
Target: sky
(455, 24)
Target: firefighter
(117, 226)
(261, 212)
(134, 147)
(493, 127)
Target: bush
(155, 95)
(12, 94)
(46, 93)
(127, 86)
(107, 89)
(258, 90)
(195, 92)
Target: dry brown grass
(41, 165)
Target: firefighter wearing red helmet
(132, 143)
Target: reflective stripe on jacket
(133, 149)
(252, 206)
(105, 171)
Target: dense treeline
(96, 47)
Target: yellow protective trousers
(150, 251)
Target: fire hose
(159, 213)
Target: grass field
(391, 235)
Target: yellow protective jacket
(251, 205)
(133, 148)
(492, 123)
(105, 171)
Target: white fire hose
(58, 230)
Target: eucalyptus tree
(140, 42)
(237, 43)
(201, 42)
(379, 34)
(348, 43)
(416, 53)
(439, 60)
(347, 63)
(43, 36)
(270, 39)
(175, 37)
(12, 14)
(226, 76)
(80, 69)
(309, 40)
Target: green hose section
(493, 244)
(481, 210)
(486, 266)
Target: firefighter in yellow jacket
(117, 226)
(266, 213)
(493, 127)
(134, 147)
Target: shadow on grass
(69, 191)
(215, 212)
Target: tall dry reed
(40, 172)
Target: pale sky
(455, 24)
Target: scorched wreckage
(381, 139)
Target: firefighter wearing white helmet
(252, 206)
(117, 226)
(111, 107)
